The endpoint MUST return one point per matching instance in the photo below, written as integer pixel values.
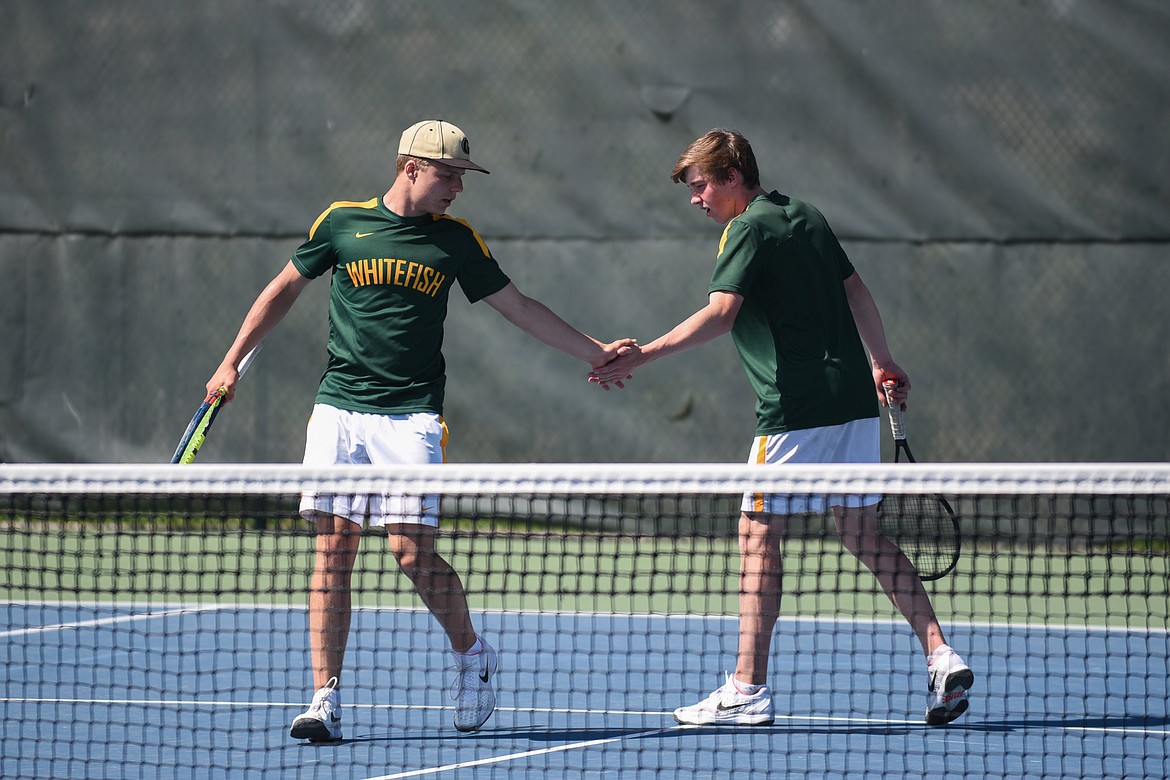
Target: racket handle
(897, 427)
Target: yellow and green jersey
(795, 332)
(390, 280)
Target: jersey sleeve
(737, 264)
(832, 249)
(315, 255)
(481, 276)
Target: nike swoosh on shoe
(721, 707)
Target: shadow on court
(530, 734)
(1134, 721)
(844, 729)
(539, 735)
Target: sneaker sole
(733, 720)
(940, 716)
(313, 730)
(466, 729)
(469, 729)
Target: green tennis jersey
(390, 278)
(795, 332)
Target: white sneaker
(727, 706)
(475, 701)
(322, 721)
(950, 679)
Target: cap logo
(466, 145)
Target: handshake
(616, 363)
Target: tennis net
(157, 624)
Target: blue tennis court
(119, 691)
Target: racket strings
(923, 529)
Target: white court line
(27, 630)
(286, 704)
(496, 612)
(651, 732)
(788, 719)
(792, 719)
(514, 756)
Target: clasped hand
(618, 361)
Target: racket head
(926, 530)
(924, 527)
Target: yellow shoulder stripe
(342, 204)
(723, 238)
(478, 240)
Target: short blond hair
(400, 163)
(715, 153)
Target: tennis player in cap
(392, 261)
(803, 321)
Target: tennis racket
(200, 424)
(924, 527)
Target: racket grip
(897, 427)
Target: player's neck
(745, 196)
(751, 193)
(398, 200)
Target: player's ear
(411, 169)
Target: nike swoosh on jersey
(362, 235)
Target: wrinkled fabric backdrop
(997, 172)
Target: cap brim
(465, 165)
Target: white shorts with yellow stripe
(854, 442)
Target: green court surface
(580, 572)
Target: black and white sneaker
(322, 721)
(728, 707)
(475, 700)
(950, 679)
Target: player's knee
(760, 534)
(411, 558)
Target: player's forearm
(868, 321)
(544, 325)
(708, 323)
(873, 335)
(270, 307)
(540, 322)
(266, 313)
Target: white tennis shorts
(854, 442)
(336, 437)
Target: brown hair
(715, 153)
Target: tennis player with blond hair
(392, 261)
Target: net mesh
(157, 624)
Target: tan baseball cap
(443, 142)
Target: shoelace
(462, 670)
(323, 695)
(716, 696)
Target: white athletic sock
(747, 689)
(473, 650)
